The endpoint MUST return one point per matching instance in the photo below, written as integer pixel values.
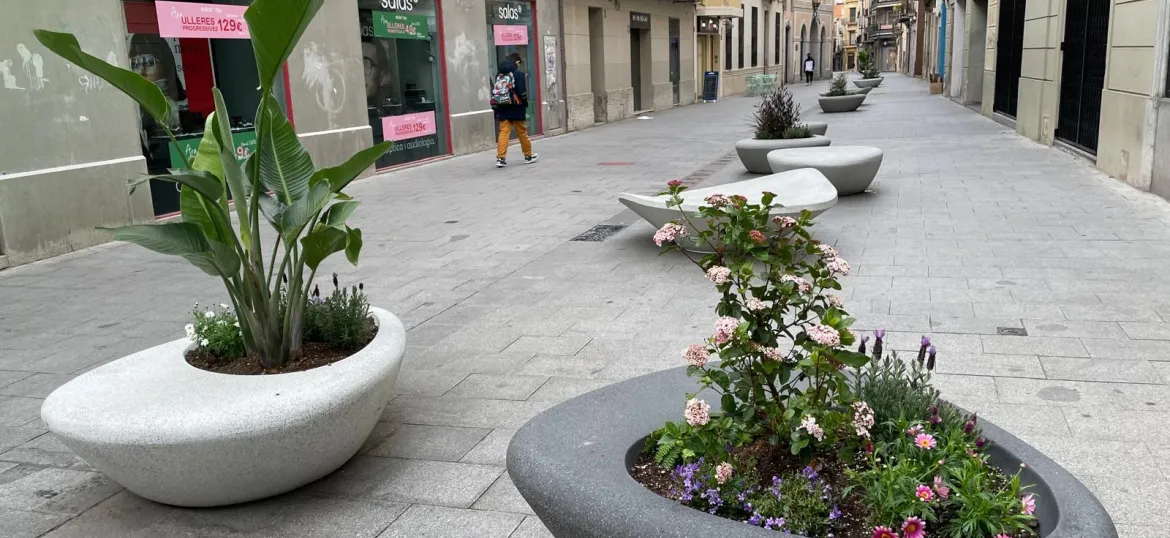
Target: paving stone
(14, 436)
(1007, 283)
(427, 382)
(1142, 331)
(462, 412)
(1017, 311)
(1034, 345)
(23, 524)
(1138, 502)
(1095, 457)
(532, 528)
(421, 521)
(503, 497)
(1110, 313)
(1025, 422)
(1118, 423)
(19, 411)
(553, 345)
(966, 389)
(441, 443)
(8, 377)
(126, 515)
(434, 482)
(45, 451)
(971, 325)
(382, 431)
(498, 386)
(1073, 329)
(492, 450)
(56, 491)
(986, 364)
(35, 386)
(1055, 393)
(1107, 370)
(559, 389)
(1141, 531)
(486, 363)
(356, 478)
(1151, 350)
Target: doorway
(1082, 77)
(675, 59)
(636, 67)
(1009, 56)
(640, 60)
(597, 65)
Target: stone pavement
(969, 230)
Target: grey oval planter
(753, 152)
(843, 103)
(865, 90)
(868, 82)
(571, 464)
(817, 127)
(850, 169)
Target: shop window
(400, 62)
(509, 28)
(755, 38)
(741, 27)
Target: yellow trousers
(506, 133)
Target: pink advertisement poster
(408, 126)
(210, 21)
(509, 34)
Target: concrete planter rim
(868, 82)
(571, 464)
(841, 103)
(180, 435)
(753, 152)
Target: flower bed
(810, 437)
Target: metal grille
(1086, 34)
(599, 233)
(1008, 56)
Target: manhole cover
(600, 233)
(1011, 331)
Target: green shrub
(777, 113)
(800, 131)
(341, 320)
(216, 332)
(837, 87)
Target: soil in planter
(312, 355)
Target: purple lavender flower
(879, 337)
(861, 348)
(810, 473)
(774, 523)
(754, 520)
(922, 349)
(980, 442)
(930, 361)
(834, 513)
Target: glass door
(509, 28)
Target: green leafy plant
(800, 131)
(867, 66)
(217, 332)
(341, 320)
(278, 183)
(837, 86)
(777, 113)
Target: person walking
(510, 103)
(809, 66)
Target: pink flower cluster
(784, 222)
(719, 274)
(723, 472)
(773, 353)
(697, 413)
(755, 304)
(810, 425)
(835, 301)
(801, 284)
(824, 335)
(717, 200)
(758, 236)
(668, 233)
(827, 251)
(724, 329)
(838, 266)
(696, 355)
(862, 418)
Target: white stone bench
(795, 190)
(850, 169)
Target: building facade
(1087, 75)
(809, 31)
(884, 33)
(848, 15)
(623, 59)
(365, 71)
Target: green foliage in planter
(776, 115)
(837, 87)
(216, 331)
(867, 66)
(306, 208)
(800, 131)
(341, 320)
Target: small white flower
(209, 314)
(237, 324)
(203, 342)
(224, 306)
(190, 330)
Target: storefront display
(511, 25)
(186, 49)
(401, 60)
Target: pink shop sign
(210, 21)
(408, 126)
(510, 34)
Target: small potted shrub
(279, 387)
(777, 126)
(870, 76)
(838, 99)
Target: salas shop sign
(208, 21)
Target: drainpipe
(563, 65)
(942, 39)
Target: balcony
(719, 8)
(883, 4)
(881, 31)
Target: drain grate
(600, 233)
(1011, 331)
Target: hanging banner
(209, 21)
(408, 126)
(399, 26)
(510, 34)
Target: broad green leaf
(233, 173)
(275, 27)
(183, 239)
(272, 210)
(202, 182)
(207, 155)
(341, 175)
(138, 88)
(353, 246)
(851, 358)
(338, 213)
(294, 219)
(226, 258)
(322, 243)
(210, 216)
(285, 166)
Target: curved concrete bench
(849, 168)
(795, 190)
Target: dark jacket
(518, 111)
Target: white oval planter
(843, 103)
(868, 82)
(753, 152)
(180, 435)
(850, 169)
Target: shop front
(512, 26)
(403, 75)
(186, 49)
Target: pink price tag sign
(408, 126)
(209, 21)
(510, 34)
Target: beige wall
(618, 98)
(1040, 64)
(1129, 81)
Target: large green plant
(305, 206)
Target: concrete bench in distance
(795, 190)
(850, 169)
